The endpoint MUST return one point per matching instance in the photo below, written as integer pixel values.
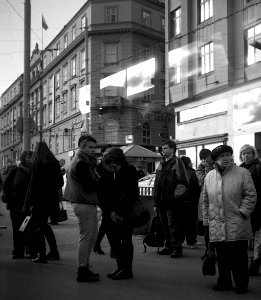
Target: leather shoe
(40, 260)
(53, 255)
(110, 275)
(165, 251)
(122, 274)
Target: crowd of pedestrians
(219, 199)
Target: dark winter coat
(193, 190)
(15, 187)
(105, 191)
(255, 170)
(170, 183)
(45, 183)
(122, 191)
(82, 180)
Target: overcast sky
(56, 12)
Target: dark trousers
(190, 223)
(120, 236)
(17, 219)
(102, 231)
(39, 232)
(173, 226)
(232, 257)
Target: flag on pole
(44, 24)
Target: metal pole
(88, 115)
(26, 87)
(41, 94)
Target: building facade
(102, 39)
(213, 73)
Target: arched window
(164, 133)
(146, 134)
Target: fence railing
(146, 191)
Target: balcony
(111, 102)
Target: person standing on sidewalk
(14, 191)
(123, 194)
(202, 170)
(42, 200)
(106, 178)
(191, 204)
(229, 198)
(81, 189)
(248, 156)
(169, 190)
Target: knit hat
(204, 153)
(219, 150)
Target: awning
(139, 151)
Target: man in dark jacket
(81, 189)
(169, 190)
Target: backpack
(155, 236)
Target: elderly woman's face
(247, 156)
(224, 159)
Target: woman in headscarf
(229, 198)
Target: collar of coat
(85, 156)
(225, 170)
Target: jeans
(88, 226)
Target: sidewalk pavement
(155, 277)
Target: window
(50, 112)
(110, 14)
(162, 23)
(207, 58)
(65, 39)
(64, 103)
(44, 89)
(146, 18)
(254, 44)
(57, 149)
(164, 133)
(83, 23)
(57, 49)
(145, 52)
(175, 71)
(73, 97)
(110, 53)
(83, 59)
(65, 73)
(206, 10)
(73, 146)
(44, 115)
(51, 85)
(73, 66)
(57, 80)
(57, 108)
(146, 134)
(44, 62)
(73, 32)
(175, 22)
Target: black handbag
(139, 214)
(155, 237)
(209, 262)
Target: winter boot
(84, 274)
